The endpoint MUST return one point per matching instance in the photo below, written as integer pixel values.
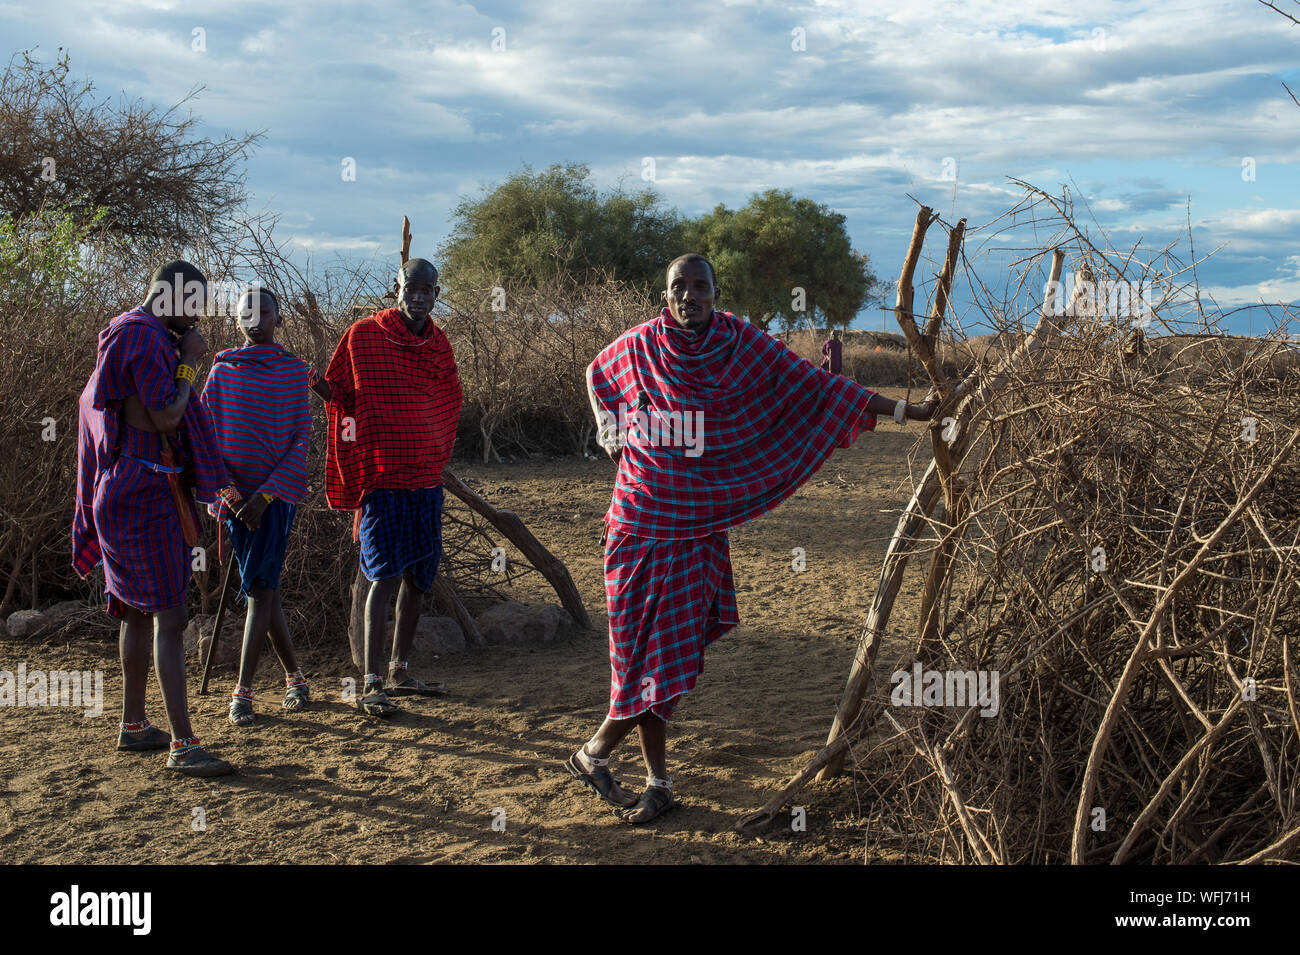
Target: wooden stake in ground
(216, 625)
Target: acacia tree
(784, 258)
(145, 171)
(538, 226)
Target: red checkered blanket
(394, 408)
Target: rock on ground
(198, 634)
(27, 623)
(513, 623)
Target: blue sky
(1140, 107)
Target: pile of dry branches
(1111, 523)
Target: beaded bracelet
(230, 495)
(186, 372)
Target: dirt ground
(330, 785)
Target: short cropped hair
(693, 257)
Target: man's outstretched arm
(885, 407)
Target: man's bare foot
(595, 775)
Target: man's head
(259, 315)
(692, 290)
(178, 294)
(417, 290)
(835, 334)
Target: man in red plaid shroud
(394, 403)
(713, 423)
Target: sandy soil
(331, 785)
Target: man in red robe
(713, 423)
(833, 353)
(394, 404)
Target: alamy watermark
(82, 688)
(946, 688)
(1106, 298)
(643, 426)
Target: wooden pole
(509, 524)
(211, 655)
(914, 517)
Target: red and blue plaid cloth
(125, 514)
(667, 600)
(257, 398)
(768, 420)
(394, 409)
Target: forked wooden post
(916, 513)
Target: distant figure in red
(833, 353)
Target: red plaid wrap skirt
(667, 601)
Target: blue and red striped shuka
(763, 420)
(257, 397)
(125, 514)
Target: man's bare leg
(654, 751)
(281, 641)
(407, 616)
(296, 692)
(169, 663)
(611, 733)
(261, 611)
(377, 603)
(134, 642)
(261, 604)
(186, 754)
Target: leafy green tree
(776, 245)
(538, 226)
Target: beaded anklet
(184, 745)
(242, 693)
(136, 727)
(295, 679)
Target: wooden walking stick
(216, 626)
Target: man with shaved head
(145, 450)
(257, 398)
(713, 423)
(394, 403)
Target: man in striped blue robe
(257, 398)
